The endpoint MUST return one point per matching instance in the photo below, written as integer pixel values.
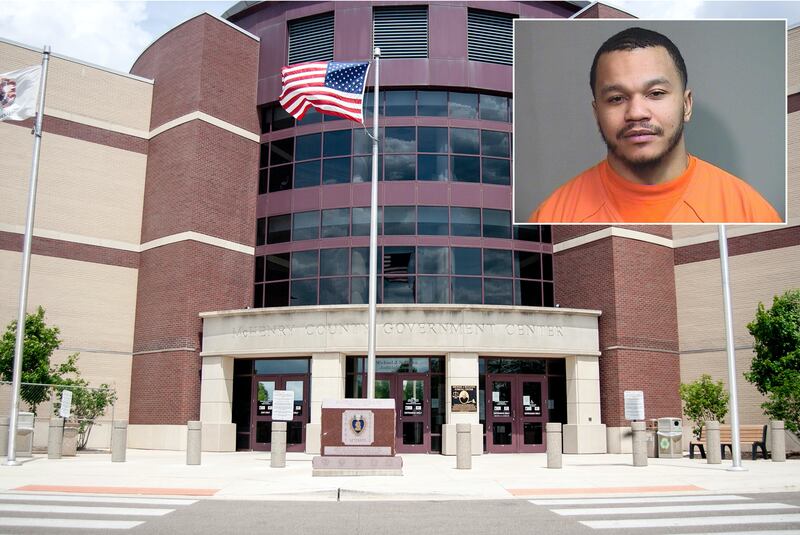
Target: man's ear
(687, 105)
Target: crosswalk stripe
(81, 510)
(648, 499)
(691, 521)
(93, 499)
(671, 509)
(67, 523)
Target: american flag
(331, 87)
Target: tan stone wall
(87, 94)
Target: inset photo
(649, 121)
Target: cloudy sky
(113, 33)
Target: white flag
(19, 91)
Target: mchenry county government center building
(201, 248)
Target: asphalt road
(777, 513)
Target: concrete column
(463, 446)
(277, 458)
(554, 444)
(639, 445)
(713, 451)
(216, 397)
(55, 435)
(583, 432)
(327, 382)
(777, 439)
(119, 441)
(193, 442)
(461, 369)
(3, 436)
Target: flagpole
(26, 267)
(373, 237)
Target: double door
(515, 413)
(411, 392)
(264, 387)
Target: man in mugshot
(641, 104)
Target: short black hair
(633, 38)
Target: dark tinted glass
(308, 147)
(336, 171)
(432, 103)
(547, 236)
(259, 275)
(303, 292)
(265, 118)
(258, 296)
(362, 168)
(263, 177)
(362, 143)
(495, 143)
(261, 231)
(494, 108)
(467, 290)
(463, 105)
(526, 232)
(361, 221)
(278, 267)
(400, 167)
(306, 174)
(548, 299)
(496, 171)
(433, 289)
(281, 119)
(279, 228)
(465, 140)
(400, 139)
(335, 222)
(466, 168)
(334, 291)
(304, 264)
(312, 116)
(263, 158)
(276, 294)
(280, 178)
(466, 261)
(496, 223)
(398, 289)
(337, 143)
(398, 260)
(281, 366)
(432, 167)
(528, 293)
(498, 291)
(528, 265)
(432, 139)
(333, 262)
(282, 151)
(547, 266)
(465, 221)
(401, 103)
(497, 263)
(359, 260)
(359, 291)
(432, 260)
(433, 220)
(305, 226)
(399, 220)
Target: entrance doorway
(515, 413)
(412, 401)
(264, 387)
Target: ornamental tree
(704, 400)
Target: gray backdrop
(737, 74)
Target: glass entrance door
(412, 406)
(264, 387)
(515, 415)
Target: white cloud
(106, 33)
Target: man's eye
(657, 93)
(615, 99)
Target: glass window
(549, 299)
(306, 174)
(282, 151)
(495, 143)
(259, 275)
(312, 116)
(433, 289)
(361, 221)
(526, 232)
(465, 221)
(401, 103)
(258, 296)
(432, 260)
(263, 177)
(263, 158)
(432, 220)
(276, 294)
(304, 264)
(308, 147)
(304, 292)
(398, 289)
(466, 260)
(337, 143)
(432, 167)
(496, 223)
(281, 119)
(400, 167)
(305, 225)
(265, 118)
(498, 291)
(432, 103)
(432, 139)
(400, 139)
(334, 291)
(281, 366)
(280, 178)
(546, 234)
(466, 168)
(496, 171)
(467, 290)
(398, 260)
(528, 293)
(362, 143)
(278, 267)
(465, 140)
(335, 222)
(359, 260)
(369, 102)
(494, 108)
(463, 105)
(527, 265)
(497, 262)
(279, 228)
(359, 291)
(333, 261)
(399, 220)
(547, 267)
(336, 171)
(261, 231)
(362, 168)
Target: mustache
(651, 128)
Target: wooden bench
(748, 434)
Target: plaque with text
(634, 404)
(464, 398)
(501, 408)
(412, 407)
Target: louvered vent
(401, 32)
(490, 37)
(311, 39)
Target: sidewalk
(247, 475)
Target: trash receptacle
(670, 438)
(652, 439)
